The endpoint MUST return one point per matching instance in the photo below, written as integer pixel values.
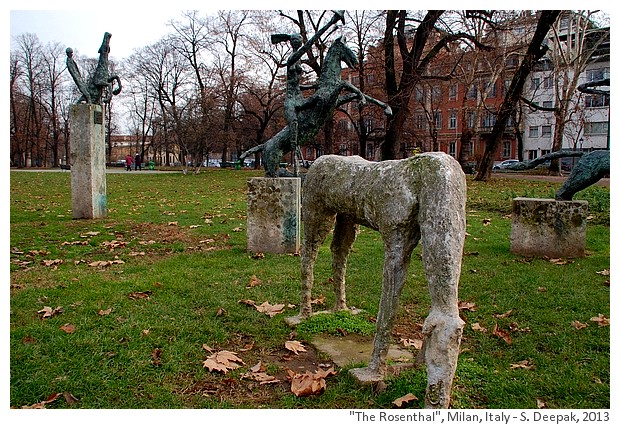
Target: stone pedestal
(88, 181)
(545, 227)
(274, 214)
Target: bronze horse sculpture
(100, 86)
(317, 108)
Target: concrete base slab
(354, 349)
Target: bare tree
(535, 51)
(416, 41)
(573, 40)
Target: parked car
(505, 164)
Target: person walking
(138, 161)
(128, 161)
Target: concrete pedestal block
(546, 227)
(274, 214)
(88, 181)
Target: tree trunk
(535, 51)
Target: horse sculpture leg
(344, 236)
(442, 225)
(398, 245)
(317, 225)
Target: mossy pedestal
(274, 214)
(88, 174)
(548, 228)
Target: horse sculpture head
(338, 52)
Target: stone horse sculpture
(421, 198)
(316, 109)
(100, 86)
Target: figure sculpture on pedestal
(306, 116)
(100, 86)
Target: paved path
(108, 170)
(543, 178)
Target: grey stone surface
(418, 199)
(88, 172)
(547, 227)
(273, 224)
(354, 349)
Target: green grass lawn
(143, 290)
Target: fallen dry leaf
(503, 315)
(502, 334)
(156, 355)
(104, 312)
(270, 309)
(486, 222)
(140, 295)
(416, 343)
(464, 305)
(541, 403)
(477, 327)
(223, 361)
(524, 364)
(42, 404)
(71, 400)
(295, 346)
(600, 319)
(318, 301)
(578, 325)
(604, 272)
(52, 262)
(309, 383)
(259, 373)
(404, 399)
(47, 312)
(68, 328)
(254, 281)
(105, 263)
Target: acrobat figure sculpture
(100, 86)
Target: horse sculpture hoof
(366, 375)
(294, 320)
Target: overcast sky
(82, 29)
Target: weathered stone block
(88, 180)
(546, 227)
(274, 214)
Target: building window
(452, 149)
(369, 123)
(472, 120)
(488, 120)
(473, 92)
(452, 121)
(532, 154)
(597, 74)
(420, 121)
(533, 132)
(436, 94)
(506, 149)
(535, 83)
(548, 82)
(343, 150)
(370, 78)
(453, 91)
(597, 100)
(308, 152)
(355, 80)
(546, 130)
(595, 128)
(419, 94)
(547, 104)
(489, 88)
(438, 120)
